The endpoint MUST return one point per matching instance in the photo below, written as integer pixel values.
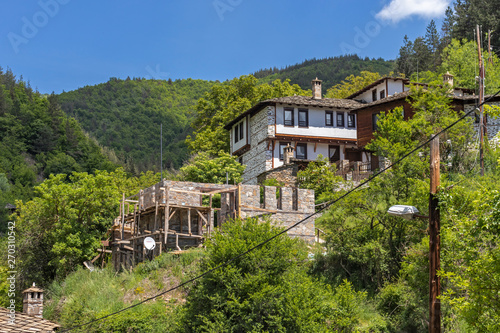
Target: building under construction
(179, 215)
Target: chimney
(287, 154)
(316, 88)
(448, 79)
(33, 301)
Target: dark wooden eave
(312, 139)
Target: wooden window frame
(331, 118)
(382, 94)
(242, 132)
(285, 110)
(297, 150)
(343, 119)
(351, 120)
(374, 95)
(236, 135)
(306, 112)
(374, 121)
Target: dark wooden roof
(25, 323)
(388, 99)
(307, 101)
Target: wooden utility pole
(481, 100)
(434, 241)
(489, 46)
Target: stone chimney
(316, 88)
(33, 301)
(287, 154)
(448, 79)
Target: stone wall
(285, 205)
(259, 158)
(285, 209)
(492, 124)
(286, 174)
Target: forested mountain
(461, 19)
(125, 116)
(331, 70)
(37, 139)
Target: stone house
(335, 128)
(311, 125)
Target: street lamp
(406, 212)
(409, 213)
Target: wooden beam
(127, 248)
(189, 221)
(173, 212)
(105, 251)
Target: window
(289, 117)
(382, 94)
(241, 131)
(240, 160)
(236, 135)
(374, 95)
(374, 121)
(340, 119)
(351, 120)
(301, 152)
(334, 153)
(283, 145)
(303, 118)
(328, 118)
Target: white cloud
(397, 10)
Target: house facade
(311, 125)
(335, 128)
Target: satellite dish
(149, 243)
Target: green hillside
(125, 116)
(37, 139)
(331, 70)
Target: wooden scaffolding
(176, 216)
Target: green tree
(460, 59)
(265, 290)
(224, 103)
(203, 168)
(320, 176)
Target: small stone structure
(33, 301)
(179, 215)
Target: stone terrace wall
(286, 208)
(286, 174)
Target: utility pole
(481, 100)
(434, 241)
(490, 32)
(161, 152)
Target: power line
(224, 264)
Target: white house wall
(390, 86)
(321, 148)
(241, 142)
(316, 124)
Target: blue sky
(66, 44)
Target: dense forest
(37, 139)
(369, 275)
(125, 116)
(331, 70)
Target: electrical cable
(224, 264)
